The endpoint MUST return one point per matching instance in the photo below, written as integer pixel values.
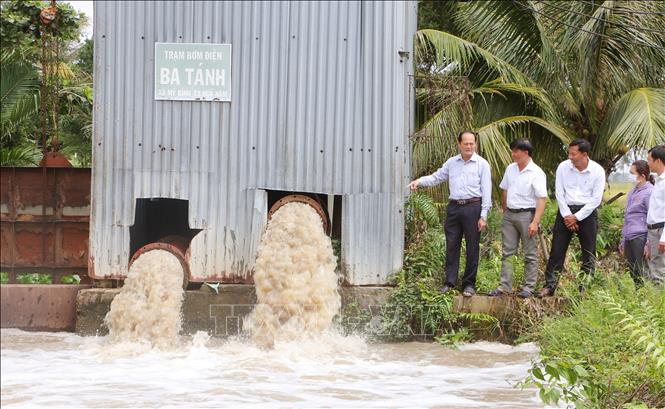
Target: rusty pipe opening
(176, 245)
(306, 200)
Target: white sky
(85, 7)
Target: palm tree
(548, 70)
(20, 98)
(19, 101)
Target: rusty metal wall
(44, 220)
(321, 102)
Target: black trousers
(588, 228)
(462, 221)
(634, 251)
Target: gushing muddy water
(65, 370)
(292, 357)
(146, 313)
(296, 285)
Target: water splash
(146, 312)
(296, 285)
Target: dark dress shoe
(546, 292)
(496, 293)
(524, 294)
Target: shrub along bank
(607, 351)
(602, 349)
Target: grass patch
(618, 187)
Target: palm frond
(637, 120)
(436, 140)
(26, 154)
(503, 28)
(515, 31)
(19, 91)
(613, 48)
(449, 48)
(493, 137)
(537, 96)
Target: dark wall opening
(156, 218)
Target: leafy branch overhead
(23, 72)
(551, 71)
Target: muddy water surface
(65, 370)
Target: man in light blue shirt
(470, 182)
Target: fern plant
(645, 326)
(607, 351)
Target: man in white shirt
(524, 187)
(579, 191)
(656, 216)
(470, 182)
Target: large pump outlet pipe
(176, 245)
(306, 200)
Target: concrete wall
(46, 307)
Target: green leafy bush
(608, 352)
(34, 278)
(416, 307)
(39, 278)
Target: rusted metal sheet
(44, 220)
(39, 307)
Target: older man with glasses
(470, 182)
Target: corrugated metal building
(321, 102)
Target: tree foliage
(547, 70)
(20, 27)
(22, 73)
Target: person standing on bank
(634, 232)
(524, 187)
(470, 199)
(579, 191)
(656, 216)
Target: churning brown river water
(292, 358)
(65, 370)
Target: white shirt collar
(588, 166)
(473, 157)
(529, 166)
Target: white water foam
(58, 370)
(146, 312)
(295, 281)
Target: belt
(462, 202)
(655, 226)
(531, 209)
(575, 208)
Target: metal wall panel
(321, 102)
(44, 221)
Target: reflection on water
(65, 370)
